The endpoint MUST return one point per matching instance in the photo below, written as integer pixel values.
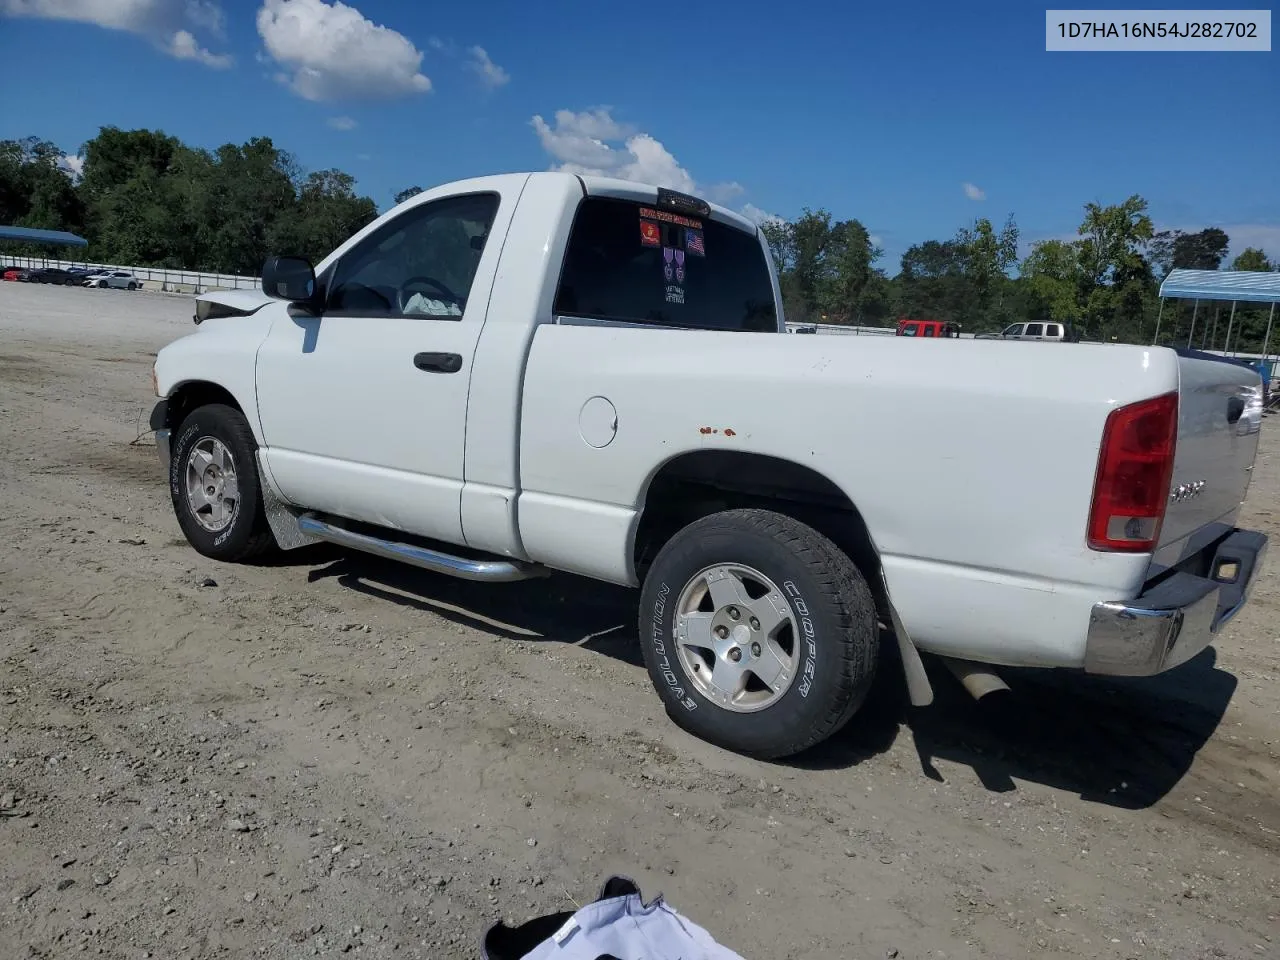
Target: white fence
(155, 278)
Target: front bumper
(159, 423)
(1172, 621)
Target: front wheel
(214, 485)
(758, 632)
(132, 285)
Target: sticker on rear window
(675, 294)
(666, 217)
(650, 233)
(695, 242)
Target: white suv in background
(1062, 332)
(113, 278)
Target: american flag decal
(694, 243)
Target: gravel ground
(334, 754)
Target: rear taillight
(1135, 467)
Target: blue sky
(914, 118)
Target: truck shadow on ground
(1122, 742)
(1125, 743)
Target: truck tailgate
(1219, 418)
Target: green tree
(1052, 277)
(1112, 241)
(1203, 250)
(407, 192)
(1253, 259)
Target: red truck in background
(927, 328)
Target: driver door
(364, 407)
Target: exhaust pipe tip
(979, 679)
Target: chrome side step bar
(489, 571)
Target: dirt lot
(334, 754)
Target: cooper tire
(220, 432)
(833, 628)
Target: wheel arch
(191, 394)
(697, 483)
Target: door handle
(438, 362)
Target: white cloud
(578, 143)
(724, 193)
(330, 51)
(758, 216)
(72, 164)
(168, 24)
(364, 156)
(183, 46)
(592, 143)
(492, 75)
(974, 192)
(342, 123)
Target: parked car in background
(1062, 332)
(121, 279)
(16, 274)
(56, 275)
(927, 328)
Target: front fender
(223, 353)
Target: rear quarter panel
(971, 462)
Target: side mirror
(289, 278)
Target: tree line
(1105, 282)
(145, 198)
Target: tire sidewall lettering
(177, 457)
(660, 634)
(809, 637)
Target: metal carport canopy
(1229, 285)
(55, 238)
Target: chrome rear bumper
(1173, 620)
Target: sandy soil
(334, 754)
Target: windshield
(631, 262)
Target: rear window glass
(631, 262)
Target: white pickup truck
(510, 375)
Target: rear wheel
(758, 632)
(132, 285)
(214, 485)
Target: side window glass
(421, 264)
(1033, 329)
(926, 330)
(1013, 331)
